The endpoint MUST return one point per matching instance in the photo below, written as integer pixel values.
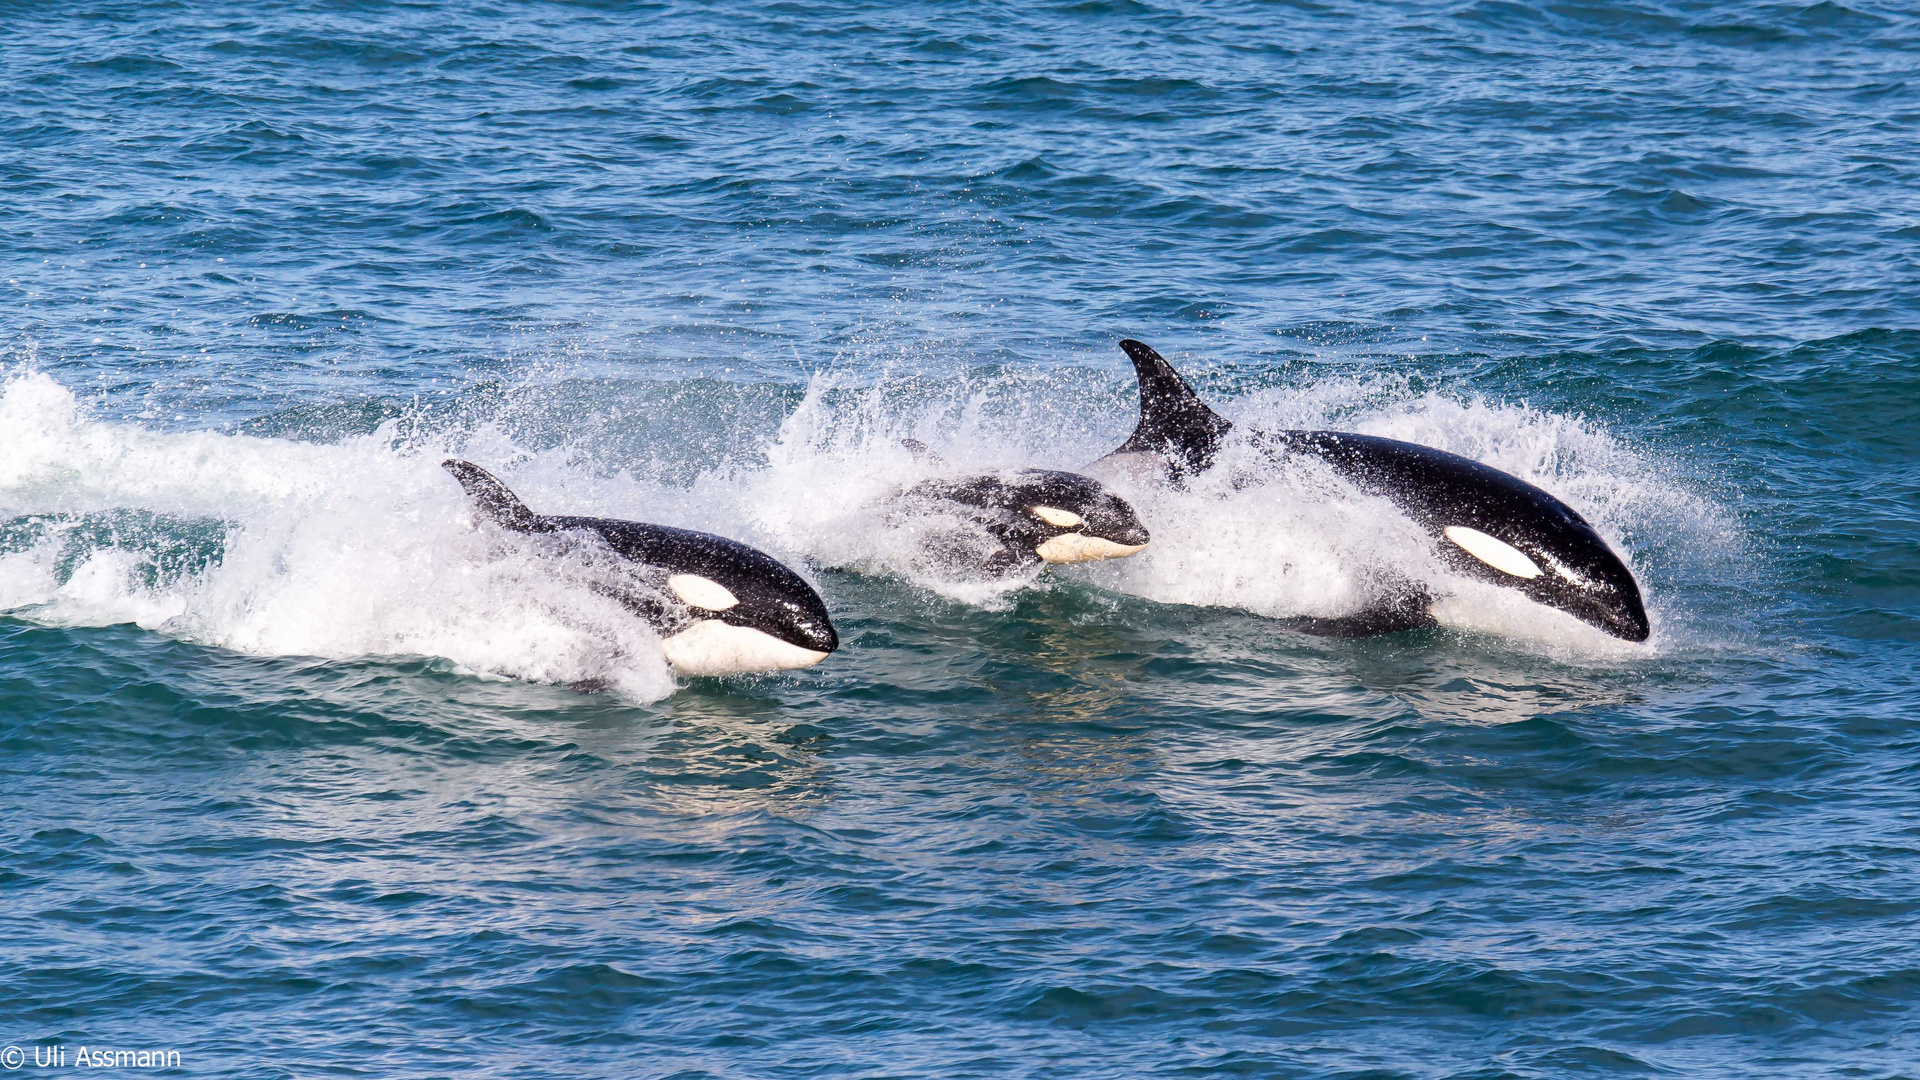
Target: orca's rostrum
(1486, 523)
(733, 608)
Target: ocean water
(293, 782)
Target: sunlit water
(294, 782)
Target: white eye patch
(1496, 553)
(703, 593)
(1065, 519)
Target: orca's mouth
(810, 637)
(1629, 623)
(1624, 618)
(1614, 606)
(816, 635)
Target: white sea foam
(1299, 542)
(356, 548)
(365, 547)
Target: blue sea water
(293, 782)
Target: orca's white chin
(711, 647)
(1079, 547)
(1490, 609)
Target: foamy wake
(358, 548)
(364, 547)
(1289, 542)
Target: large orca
(1486, 523)
(738, 609)
(1018, 519)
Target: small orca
(738, 608)
(1030, 516)
(1490, 525)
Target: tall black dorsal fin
(1174, 422)
(492, 496)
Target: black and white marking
(1008, 523)
(734, 609)
(1486, 523)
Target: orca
(1485, 523)
(734, 609)
(1026, 518)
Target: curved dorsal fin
(1174, 422)
(503, 507)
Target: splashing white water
(365, 547)
(1298, 543)
(351, 549)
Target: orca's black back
(756, 579)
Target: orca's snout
(1585, 579)
(1625, 619)
(1602, 592)
(789, 611)
(1109, 517)
(1635, 627)
(1130, 533)
(811, 631)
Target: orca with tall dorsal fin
(738, 609)
(1488, 524)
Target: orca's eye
(1065, 519)
(704, 593)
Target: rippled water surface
(293, 780)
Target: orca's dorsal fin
(501, 506)
(1174, 422)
